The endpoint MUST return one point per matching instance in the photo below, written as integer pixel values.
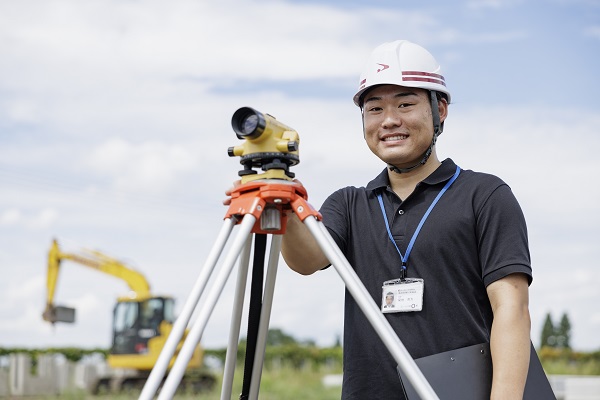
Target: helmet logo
(383, 67)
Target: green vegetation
(284, 378)
(292, 370)
(292, 355)
(277, 384)
(295, 369)
(564, 361)
(71, 353)
(285, 383)
(556, 354)
(558, 336)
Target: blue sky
(115, 121)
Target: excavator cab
(135, 322)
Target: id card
(402, 295)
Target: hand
(227, 201)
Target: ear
(442, 108)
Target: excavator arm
(138, 285)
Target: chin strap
(437, 131)
(423, 160)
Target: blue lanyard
(414, 237)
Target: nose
(391, 119)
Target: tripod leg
(195, 333)
(236, 317)
(162, 363)
(265, 316)
(254, 310)
(370, 309)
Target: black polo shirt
(475, 235)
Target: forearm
(510, 347)
(300, 249)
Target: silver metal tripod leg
(370, 309)
(162, 363)
(195, 333)
(236, 319)
(263, 327)
(265, 316)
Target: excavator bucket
(59, 314)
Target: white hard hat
(401, 63)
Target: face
(398, 123)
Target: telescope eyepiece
(248, 123)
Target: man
(455, 239)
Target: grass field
(285, 383)
(307, 383)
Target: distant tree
(276, 337)
(548, 333)
(563, 332)
(338, 341)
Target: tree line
(556, 335)
(284, 350)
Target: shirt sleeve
(502, 236)
(335, 217)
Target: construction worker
(455, 240)
(457, 235)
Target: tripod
(260, 207)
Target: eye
(374, 109)
(404, 105)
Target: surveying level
(269, 145)
(260, 206)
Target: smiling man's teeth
(399, 137)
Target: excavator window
(135, 322)
(152, 313)
(126, 316)
(126, 338)
(169, 310)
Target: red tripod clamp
(255, 196)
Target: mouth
(394, 138)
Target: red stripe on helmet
(419, 77)
(425, 80)
(421, 73)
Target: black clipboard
(466, 374)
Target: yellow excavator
(141, 324)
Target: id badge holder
(402, 295)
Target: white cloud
(10, 216)
(18, 303)
(150, 166)
(31, 219)
(21, 110)
(44, 219)
(124, 40)
(491, 4)
(18, 292)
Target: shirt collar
(441, 174)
